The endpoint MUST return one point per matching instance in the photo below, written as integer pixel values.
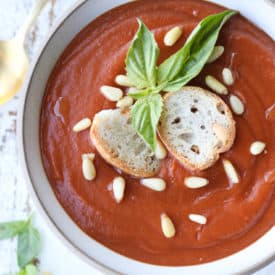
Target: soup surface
(237, 214)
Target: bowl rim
(26, 170)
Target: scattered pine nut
(236, 105)
(217, 52)
(160, 151)
(125, 102)
(215, 85)
(200, 219)
(123, 80)
(257, 148)
(118, 188)
(82, 125)
(155, 184)
(88, 168)
(111, 93)
(220, 131)
(230, 171)
(227, 76)
(195, 182)
(167, 226)
(172, 36)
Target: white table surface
(15, 202)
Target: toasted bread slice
(119, 144)
(196, 126)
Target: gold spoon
(14, 62)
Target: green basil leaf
(28, 246)
(145, 115)
(139, 93)
(9, 230)
(141, 60)
(21, 272)
(188, 62)
(29, 269)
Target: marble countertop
(15, 202)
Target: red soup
(237, 215)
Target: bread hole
(176, 120)
(195, 149)
(196, 100)
(186, 137)
(135, 137)
(113, 153)
(193, 109)
(219, 144)
(202, 127)
(220, 108)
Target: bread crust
(185, 161)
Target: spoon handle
(38, 6)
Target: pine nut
(111, 93)
(160, 151)
(257, 148)
(220, 131)
(125, 102)
(200, 219)
(155, 184)
(231, 172)
(123, 80)
(227, 76)
(172, 36)
(118, 188)
(81, 125)
(236, 105)
(215, 85)
(167, 226)
(195, 182)
(216, 53)
(88, 168)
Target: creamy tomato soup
(236, 214)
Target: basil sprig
(171, 75)
(28, 243)
(9, 230)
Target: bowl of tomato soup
(86, 51)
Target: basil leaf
(139, 93)
(28, 270)
(31, 270)
(142, 58)
(145, 115)
(28, 245)
(21, 272)
(11, 229)
(188, 62)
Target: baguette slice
(196, 126)
(118, 143)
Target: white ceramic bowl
(93, 252)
